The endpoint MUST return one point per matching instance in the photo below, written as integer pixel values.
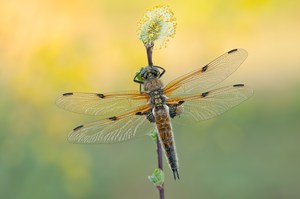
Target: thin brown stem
(149, 50)
(161, 188)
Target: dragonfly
(131, 114)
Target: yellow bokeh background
(51, 47)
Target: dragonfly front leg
(136, 80)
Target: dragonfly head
(150, 72)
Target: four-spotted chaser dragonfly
(127, 115)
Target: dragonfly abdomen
(166, 136)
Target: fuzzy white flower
(157, 26)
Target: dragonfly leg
(163, 71)
(175, 110)
(136, 80)
(148, 114)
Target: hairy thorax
(154, 89)
(153, 84)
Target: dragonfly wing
(114, 129)
(208, 76)
(210, 104)
(103, 105)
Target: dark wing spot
(100, 95)
(67, 94)
(139, 113)
(180, 102)
(77, 128)
(231, 51)
(114, 118)
(204, 68)
(238, 85)
(204, 94)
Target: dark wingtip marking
(100, 95)
(114, 118)
(204, 94)
(231, 51)
(139, 113)
(175, 174)
(180, 102)
(204, 68)
(77, 128)
(67, 94)
(238, 85)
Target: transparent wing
(210, 104)
(208, 76)
(114, 129)
(104, 105)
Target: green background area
(51, 47)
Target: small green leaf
(157, 178)
(139, 77)
(153, 136)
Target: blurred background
(50, 47)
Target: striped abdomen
(164, 129)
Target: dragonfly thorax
(157, 98)
(152, 84)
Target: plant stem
(161, 188)
(149, 50)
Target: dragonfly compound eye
(150, 72)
